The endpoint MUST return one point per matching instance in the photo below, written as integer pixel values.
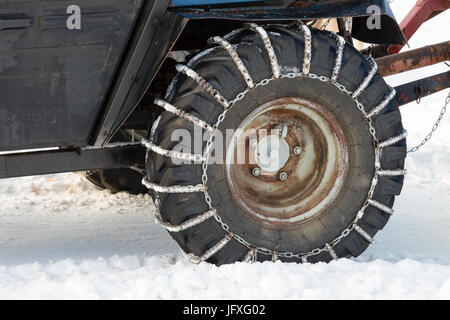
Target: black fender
(156, 32)
(388, 33)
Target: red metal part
(422, 11)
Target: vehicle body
(66, 89)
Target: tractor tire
(322, 209)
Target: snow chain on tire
(253, 250)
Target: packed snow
(62, 238)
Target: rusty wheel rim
(280, 189)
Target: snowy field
(61, 238)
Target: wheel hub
(272, 153)
(296, 162)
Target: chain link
(325, 25)
(435, 127)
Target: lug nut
(297, 150)
(283, 176)
(256, 172)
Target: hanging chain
(435, 127)
(348, 25)
(325, 25)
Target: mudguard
(388, 33)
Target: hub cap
(272, 152)
(300, 154)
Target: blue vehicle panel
(186, 3)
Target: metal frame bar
(59, 161)
(414, 91)
(414, 59)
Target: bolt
(253, 143)
(283, 176)
(297, 150)
(256, 172)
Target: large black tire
(218, 69)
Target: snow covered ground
(60, 237)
